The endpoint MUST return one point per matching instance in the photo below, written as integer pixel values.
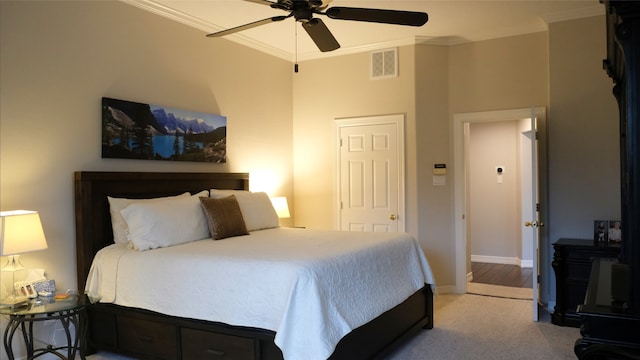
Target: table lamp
(20, 232)
(281, 206)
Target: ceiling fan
(303, 10)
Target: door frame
(394, 119)
(460, 171)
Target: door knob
(533, 224)
(392, 216)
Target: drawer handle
(145, 338)
(216, 352)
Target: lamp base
(12, 298)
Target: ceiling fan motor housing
(302, 13)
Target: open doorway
(497, 202)
(516, 251)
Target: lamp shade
(20, 232)
(281, 206)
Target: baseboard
(470, 276)
(501, 260)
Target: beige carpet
(486, 327)
(499, 291)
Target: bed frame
(150, 335)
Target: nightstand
(67, 311)
(572, 260)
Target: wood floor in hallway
(500, 274)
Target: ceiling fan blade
(397, 17)
(321, 35)
(247, 26)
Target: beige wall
(59, 58)
(584, 162)
(583, 133)
(434, 207)
(506, 73)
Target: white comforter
(310, 287)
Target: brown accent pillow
(223, 217)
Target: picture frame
(132, 130)
(26, 289)
(614, 233)
(600, 231)
(607, 231)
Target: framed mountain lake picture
(132, 130)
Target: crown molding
(585, 12)
(170, 13)
(207, 27)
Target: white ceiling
(450, 22)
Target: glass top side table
(67, 311)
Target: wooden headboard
(93, 221)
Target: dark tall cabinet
(610, 315)
(621, 64)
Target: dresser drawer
(197, 344)
(149, 338)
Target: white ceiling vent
(384, 64)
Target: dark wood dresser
(572, 264)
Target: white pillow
(256, 207)
(203, 193)
(165, 223)
(120, 231)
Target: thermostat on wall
(439, 169)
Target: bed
(144, 333)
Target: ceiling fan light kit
(303, 10)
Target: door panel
(369, 180)
(534, 210)
(356, 184)
(380, 184)
(537, 223)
